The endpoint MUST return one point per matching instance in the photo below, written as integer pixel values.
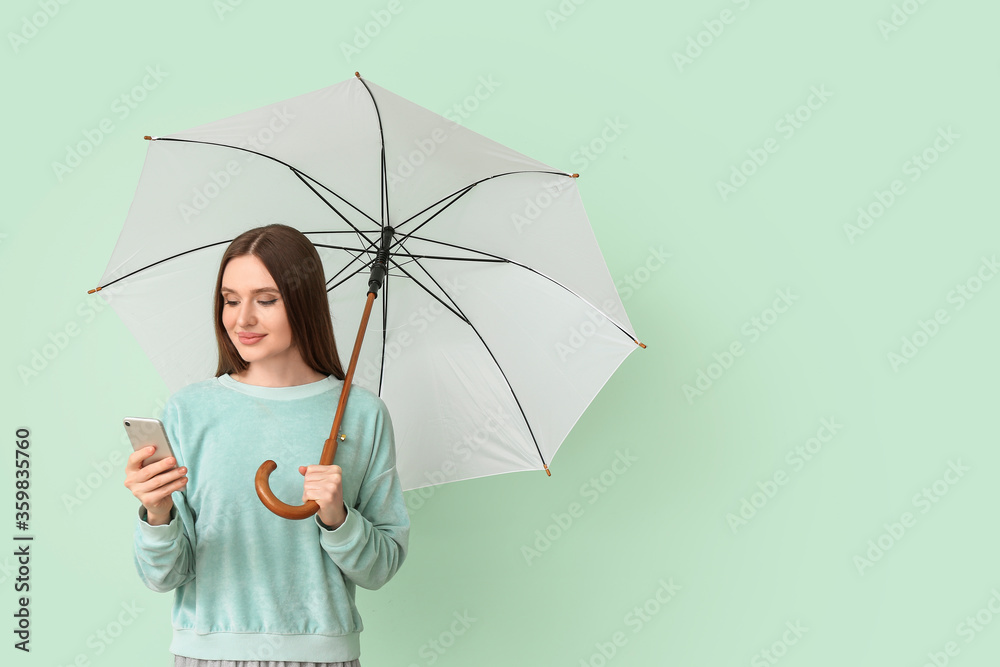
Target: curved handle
(272, 503)
(283, 509)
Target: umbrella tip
(96, 289)
(547, 471)
(642, 345)
(357, 75)
(148, 138)
(576, 175)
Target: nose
(245, 317)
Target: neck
(280, 376)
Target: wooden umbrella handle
(310, 507)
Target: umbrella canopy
(498, 323)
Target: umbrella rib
(165, 259)
(456, 313)
(363, 266)
(536, 272)
(457, 259)
(333, 287)
(457, 195)
(463, 317)
(463, 190)
(343, 247)
(384, 191)
(332, 207)
(269, 157)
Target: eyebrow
(252, 292)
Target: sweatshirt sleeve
(164, 555)
(370, 546)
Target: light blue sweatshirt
(251, 585)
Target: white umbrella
(499, 320)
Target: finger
(158, 481)
(136, 457)
(154, 469)
(326, 469)
(157, 495)
(161, 493)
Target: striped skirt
(184, 661)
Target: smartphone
(143, 432)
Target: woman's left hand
(323, 484)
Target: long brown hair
(297, 270)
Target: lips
(250, 339)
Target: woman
(253, 588)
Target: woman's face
(253, 313)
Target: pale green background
(654, 186)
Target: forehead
(247, 274)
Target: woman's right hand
(154, 483)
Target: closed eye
(263, 303)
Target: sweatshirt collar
(281, 393)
